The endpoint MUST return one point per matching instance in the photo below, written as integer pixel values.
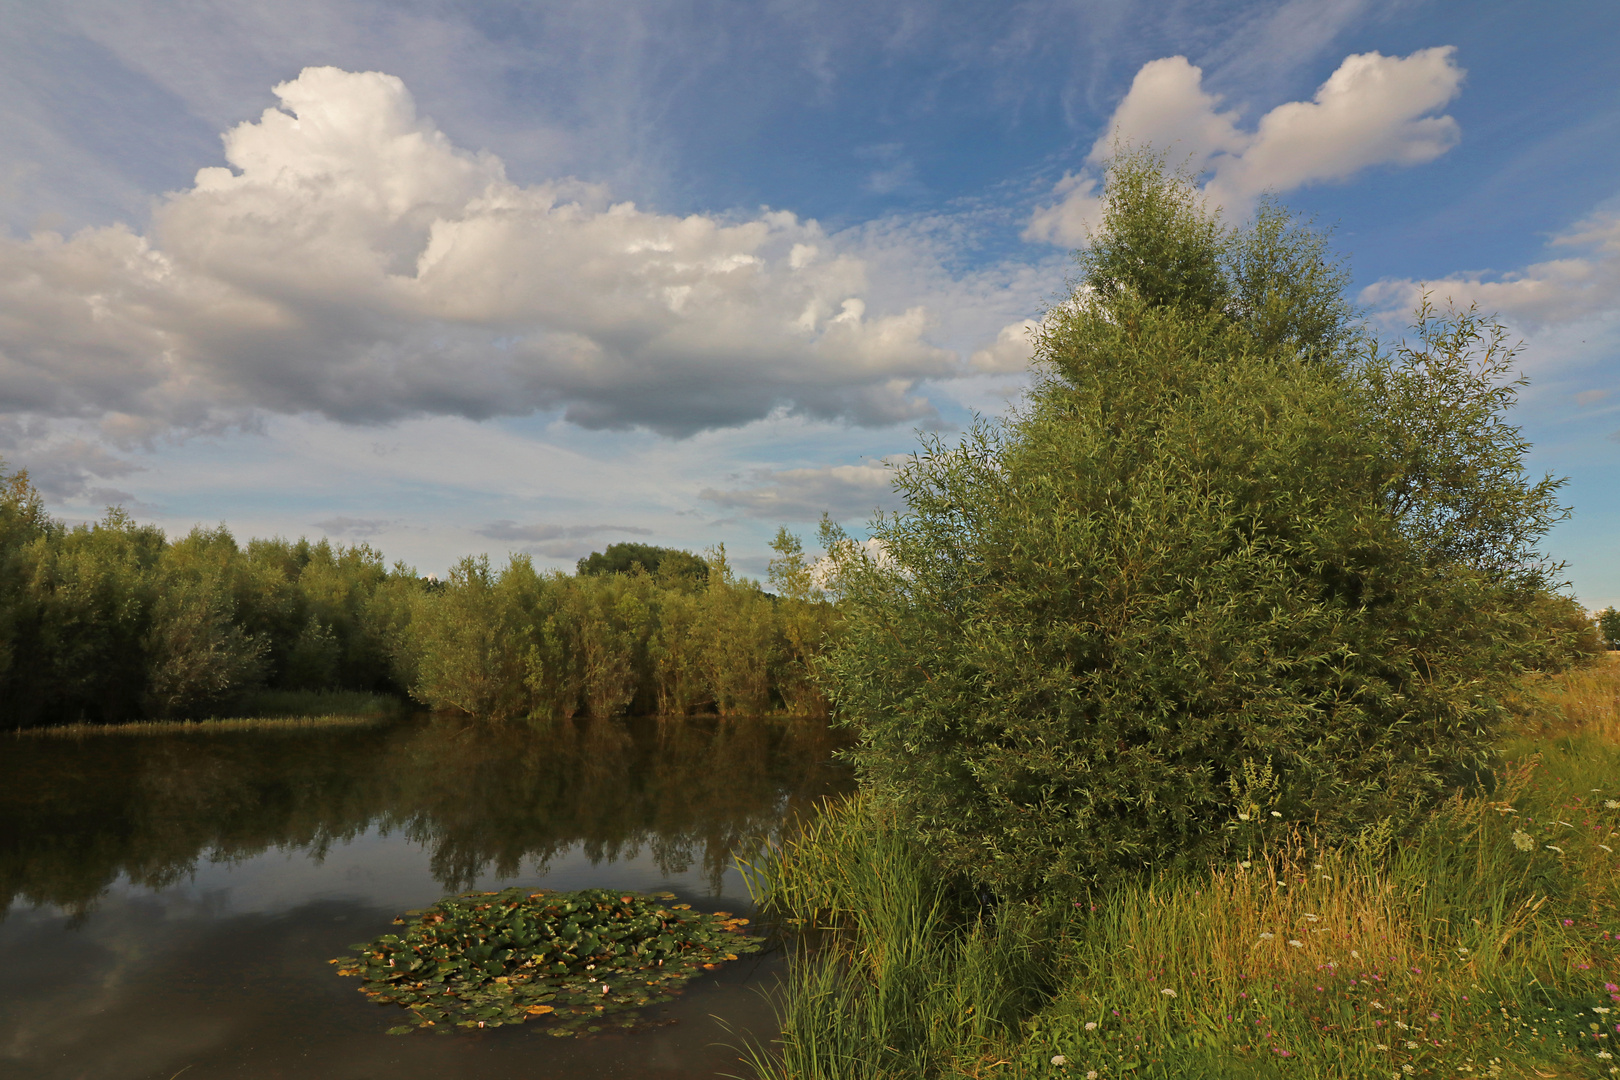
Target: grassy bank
(1488, 944)
(267, 710)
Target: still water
(170, 901)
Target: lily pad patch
(486, 959)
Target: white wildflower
(1059, 1060)
(1296, 944)
(1611, 804)
(1167, 992)
(1266, 935)
(1408, 1070)
(1244, 864)
(1604, 1055)
(1601, 1010)
(1313, 918)
(1555, 847)
(1242, 816)
(1380, 1047)
(1401, 1024)
(1275, 814)
(1410, 1045)
(1523, 840)
(1091, 1025)
(1091, 1075)
(1355, 955)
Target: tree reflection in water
(75, 814)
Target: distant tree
(1609, 627)
(657, 561)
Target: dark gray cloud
(353, 526)
(847, 492)
(534, 534)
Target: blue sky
(451, 278)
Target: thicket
(1205, 710)
(112, 621)
(1233, 569)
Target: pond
(171, 900)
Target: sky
(456, 278)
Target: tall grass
(1487, 944)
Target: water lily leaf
(489, 958)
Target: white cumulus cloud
(1373, 110)
(353, 263)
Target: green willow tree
(1230, 569)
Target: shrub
(1230, 568)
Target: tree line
(113, 621)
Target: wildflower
(1401, 1024)
(1244, 864)
(1091, 1075)
(1355, 955)
(1266, 935)
(1296, 944)
(1242, 816)
(1604, 1054)
(1059, 1060)
(1380, 1047)
(1275, 814)
(1463, 949)
(1601, 1010)
(1555, 847)
(1167, 992)
(1607, 848)
(1313, 918)
(1410, 1045)
(1091, 1025)
(1610, 804)
(1523, 840)
(1408, 1070)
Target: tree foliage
(1232, 567)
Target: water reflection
(75, 815)
(173, 899)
